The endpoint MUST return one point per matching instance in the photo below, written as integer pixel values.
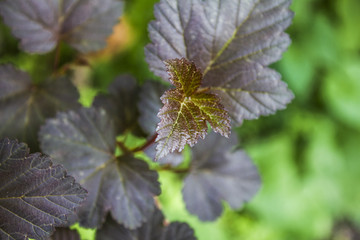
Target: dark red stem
(123, 147)
(147, 144)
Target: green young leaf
(232, 42)
(187, 109)
(35, 195)
(84, 142)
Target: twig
(147, 144)
(57, 56)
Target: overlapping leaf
(232, 42)
(121, 104)
(84, 142)
(41, 24)
(173, 159)
(65, 234)
(35, 195)
(217, 175)
(153, 229)
(25, 106)
(149, 104)
(187, 110)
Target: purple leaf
(42, 24)
(232, 42)
(65, 234)
(153, 229)
(149, 105)
(24, 106)
(173, 159)
(35, 195)
(121, 104)
(217, 175)
(84, 142)
(178, 231)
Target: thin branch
(169, 168)
(122, 146)
(57, 56)
(147, 144)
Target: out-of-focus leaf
(309, 52)
(232, 42)
(341, 90)
(84, 142)
(153, 229)
(65, 234)
(121, 104)
(35, 195)
(217, 174)
(178, 231)
(348, 34)
(149, 105)
(319, 52)
(149, 230)
(173, 159)
(187, 110)
(299, 71)
(25, 106)
(41, 24)
(345, 229)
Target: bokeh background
(307, 155)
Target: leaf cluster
(215, 54)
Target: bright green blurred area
(307, 155)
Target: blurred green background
(307, 155)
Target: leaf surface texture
(232, 42)
(187, 110)
(35, 195)
(84, 142)
(42, 24)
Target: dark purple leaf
(25, 106)
(35, 195)
(232, 42)
(41, 24)
(153, 229)
(149, 105)
(217, 175)
(65, 234)
(121, 104)
(187, 110)
(178, 231)
(84, 142)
